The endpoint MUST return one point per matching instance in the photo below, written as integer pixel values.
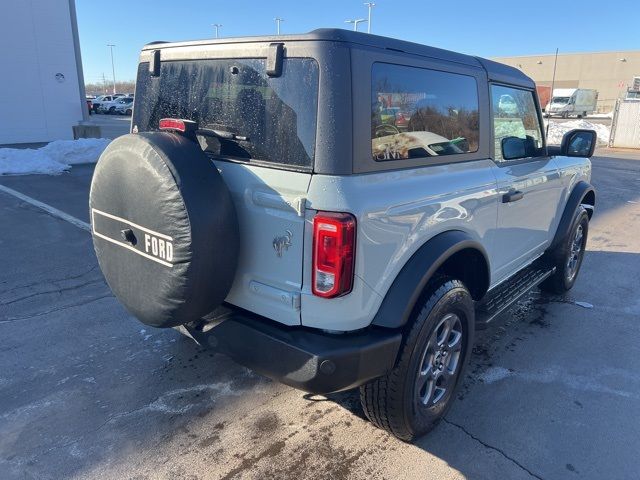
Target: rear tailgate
(270, 207)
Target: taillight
(334, 243)
(177, 125)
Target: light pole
(370, 5)
(278, 20)
(113, 68)
(355, 22)
(216, 26)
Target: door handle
(512, 196)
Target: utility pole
(216, 26)
(355, 22)
(370, 5)
(278, 20)
(113, 68)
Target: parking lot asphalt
(552, 391)
(111, 126)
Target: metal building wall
(608, 72)
(40, 98)
(625, 128)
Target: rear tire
(568, 255)
(411, 399)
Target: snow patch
(558, 129)
(559, 376)
(601, 115)
(495, 374)
(52, 159)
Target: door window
(516, 124)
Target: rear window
(274, 117)
(417, 113)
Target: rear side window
(417, 113)
(273, 119)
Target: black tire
(395, 402)
(568, 255)
(112, 110)
(128, 112)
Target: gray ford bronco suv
(338, 210)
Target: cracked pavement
(552, 390)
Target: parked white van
(572, 101)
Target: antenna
(553, 82)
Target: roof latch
(154, 63)
(274, 60)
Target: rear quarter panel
(396, 212)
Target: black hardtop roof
(495, 71)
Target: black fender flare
(576, 198)
(400, 299)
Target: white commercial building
(42, 94)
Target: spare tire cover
(164, 227)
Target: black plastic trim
(154, 64)
(578, 193)
(303, 358)
(396, 308)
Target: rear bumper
(303, 358)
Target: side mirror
(513, 147)
(578, 143)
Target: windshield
(272, 119)
(560, 100)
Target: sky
(487, 29)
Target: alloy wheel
(440, 362)
(575, 253)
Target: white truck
(572, 101)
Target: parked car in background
(123, 106)
(572, 101)
(110, 106)
(98, 101)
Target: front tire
(568, 255)
(411, 399)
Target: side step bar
(510, 291)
